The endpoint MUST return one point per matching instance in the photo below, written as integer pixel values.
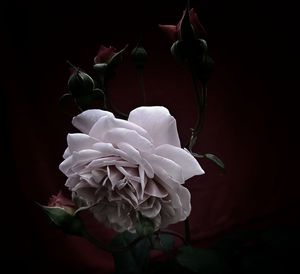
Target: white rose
(130, 167)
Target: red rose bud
(105, 54)
(173, 32)
(107, 59)
(61, 211)
(61, 201)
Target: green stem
(142, 86)
(104, 247)
(200, 94)
(173, 233)
(187, 231)
(109, 104)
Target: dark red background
(251, 122)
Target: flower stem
(200, 94)
(187, 231)
(142, 86)
(104, 247)
(173, 233)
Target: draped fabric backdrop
(251, 120)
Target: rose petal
(123, 135)
(107, 123)
(104, 54)
(170, 31)
(79, 141)
(134, 155)
(190, 166)
(195, 22)
(66, 153)
(153, 211)
(85, 120)
(154, 189)
(72, 181)
(158, 122)
(166, 169)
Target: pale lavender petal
(185, 198)
(72, 181)
(85, 155)
(85, 120)
(153, 211)
(79, 141)
(67, 153)
(165, 169)
(114, 176)
(190, 166)
(155, 189)
(138, 189)
(107, 149)
(107, 123)
(122, 135)
(133, 154)
(129, 173)
(66, 165)
(158, 122)
(108, 161)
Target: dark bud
(139, 57)
(80, 84)
(188, 51)
(84, 101)
(69, 223)
(186, 30)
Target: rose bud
(139, 57)
(80, 84)
(107, 58)
(174, 32)
(61, 212)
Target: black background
(251, 121)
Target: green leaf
(164, 242)
(205, 261)
(69, 223)
(216, 160)
(134, 260)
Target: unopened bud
(139, 57)
(80, 84)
